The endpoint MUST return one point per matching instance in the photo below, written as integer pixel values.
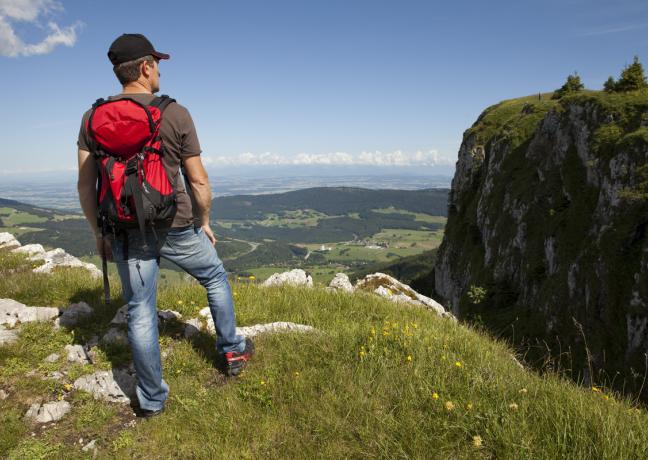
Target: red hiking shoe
(235, 361)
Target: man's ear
(146, 69)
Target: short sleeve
(83, 142)
(189, 144)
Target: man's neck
(136, 87)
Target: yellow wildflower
(596, 390)
(523, 391)
(513, 406)
(297, 374)
(409, 358)
(435, 396)
(67, 387)
(252, 277)
(469, 406)
(362, 353)
(262, 382)
(449, 405)
(477, 441)
(458, 364)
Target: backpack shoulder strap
(162, 102)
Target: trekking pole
(104, 269)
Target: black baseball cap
(129, 47)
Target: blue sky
(354, 81)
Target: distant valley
(324, 230)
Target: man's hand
(104, 248)
(208, 231)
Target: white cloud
(29, 11)
(377, 158)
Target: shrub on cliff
(572, 85)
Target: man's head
(135, 61)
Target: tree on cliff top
(609, 85)
(632, 77)
(572, 85)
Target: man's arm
(201, 189)
(86, 187)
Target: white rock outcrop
(192, 327)
(121, 317)
(116, 386)
(59, 258)
(74, 313)
(115, 336)
(77, 354)
(341, 282)
(392, 289)
(7, 240)
(280, 326)
(12, 313)
(7, 336)
(169, 315)
(54, 258)
(30, 249)
(48, 412)
(297, 277)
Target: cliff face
(546, 234)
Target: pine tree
(610, 85)
(572, 85)
(632, 77)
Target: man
(189, 245)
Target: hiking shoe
(235, 361)
(146, 413)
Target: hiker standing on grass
(133, 149)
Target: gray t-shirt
(180, 141)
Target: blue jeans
(191, 250)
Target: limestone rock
(55, 375)
(12, 313)
(192, 327)
(48, 412)
(296, 277)
(59, 258)
(90, 447)
(392, 289)
(7, 336)
(341, 282)
(115, 336)
(74, 313)
(121, 317)
(280, 326)
(169, 315)
(30, 249)
(205, 312)
(77, 354)
(3, 395)
(116, 386)
(52, 358)
(7, 240)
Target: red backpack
(134, 189)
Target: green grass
(419, 216)
(12, 217)
(377, 380)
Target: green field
(12, 217)
(417, 215)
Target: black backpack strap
(162, 102)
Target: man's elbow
(200, 181)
